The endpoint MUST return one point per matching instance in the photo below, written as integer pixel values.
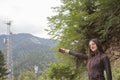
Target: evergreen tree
(78, 21)
(3, 70)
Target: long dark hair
(99, 47)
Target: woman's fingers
(62, 50)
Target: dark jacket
(96, 65)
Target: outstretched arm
(79, 55)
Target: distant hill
(29, 51)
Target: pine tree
(3, 70)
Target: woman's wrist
(62, 50)
(67, 51)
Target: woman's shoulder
(104, 56)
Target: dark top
(96, 65)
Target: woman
(97, 61)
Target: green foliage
(116, 73)
(60, 71)
(3, 70)
(27, 76)
(80, 20)
(44, 76)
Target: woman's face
(92, 46)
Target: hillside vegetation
(29, 51)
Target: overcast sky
(28, 16)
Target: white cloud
(27, 15)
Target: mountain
(28, 50)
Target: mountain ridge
(28, 50)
